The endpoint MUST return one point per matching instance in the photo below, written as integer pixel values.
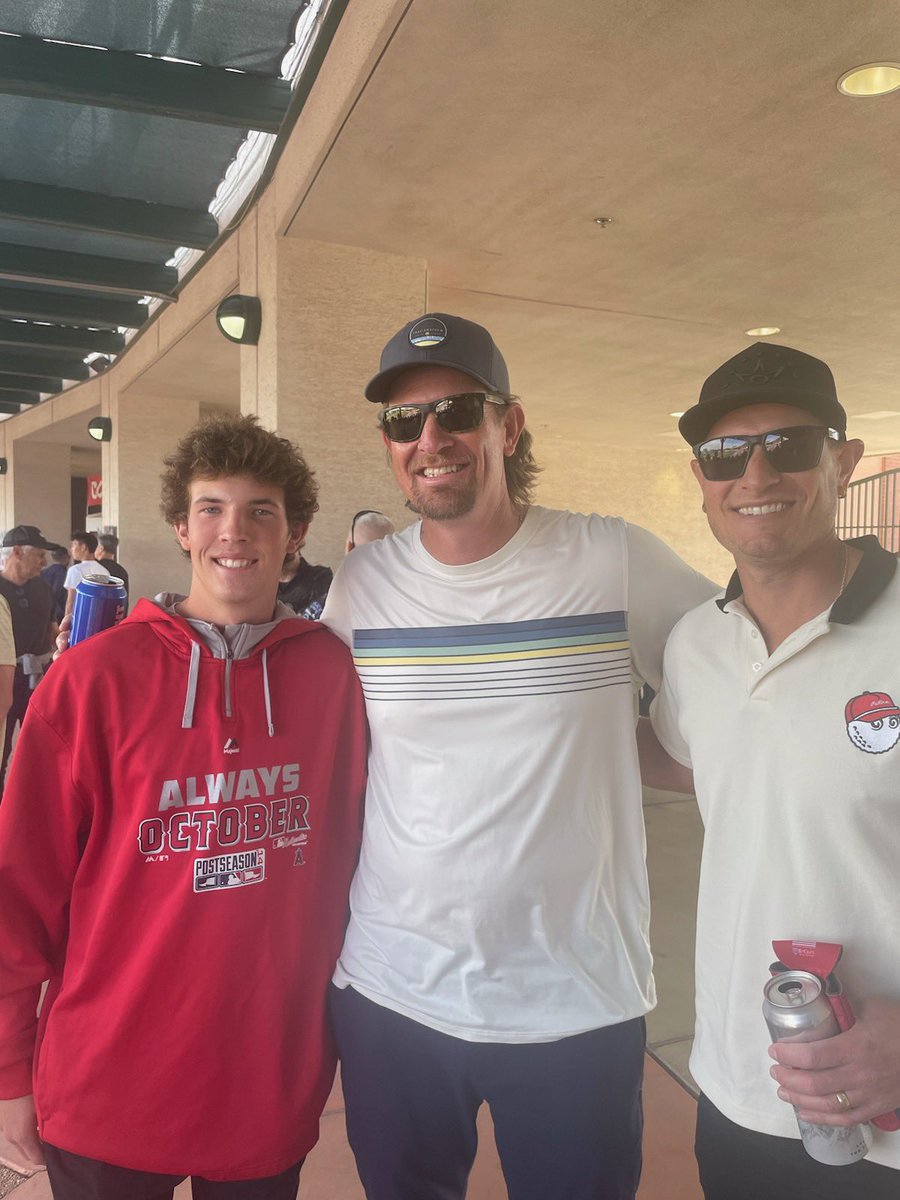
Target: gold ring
(843, 1101)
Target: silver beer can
(797, 1010)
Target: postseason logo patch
(229, 870)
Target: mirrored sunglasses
(798, 448)
(454, 414)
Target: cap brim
(379, 385)
(696, 423)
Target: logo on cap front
(430, 331)
(759, 373)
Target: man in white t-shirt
(497, 946)
(781, 697)
(83, 548)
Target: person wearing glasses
(497, 945)
(781, 697)
(368, 525)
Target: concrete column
(327, 310)
(145, 429)
(42, 488)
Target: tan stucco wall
(42, 488)
(658, 492)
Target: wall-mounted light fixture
(239, 318)
(100, 363)
(100, 429)
(4, 466)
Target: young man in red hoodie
(177, 839)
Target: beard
(442, 504)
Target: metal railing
(873, 506)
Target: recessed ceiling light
(763, 331)
(681, 414)
(871, 79)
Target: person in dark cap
(22, 558)
(780, 697)
(497, 945)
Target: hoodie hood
(192, 640)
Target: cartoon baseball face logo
(873, 722)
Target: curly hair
(224, 446)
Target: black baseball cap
(765, 374)
(440, 340)
(28, 535)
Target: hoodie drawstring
(268, 698)
(190, 699)
(187, 720)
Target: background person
(31, 608)
(55, 577)
(107, 548)
(497, 947)
(83, 548)
(781, 697)
(303, 586)
(368, 525)
(176, 844)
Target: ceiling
(744, 190)
(118, 122)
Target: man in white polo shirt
(781, 696)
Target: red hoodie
(180, 875)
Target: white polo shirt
(801, 810)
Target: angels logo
(873, 722)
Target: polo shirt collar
(871, 577)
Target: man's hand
(863, 1064)
(62, 638)
(19, 1125)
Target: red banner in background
(94, 494)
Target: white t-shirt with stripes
(501, 893)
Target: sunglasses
(454, 414)
(798, 448)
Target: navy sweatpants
(567, 1114)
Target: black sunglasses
(454, 414)
(798, 448)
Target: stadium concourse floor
(673, 848)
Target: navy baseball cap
(440, 340)
(765, 374)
